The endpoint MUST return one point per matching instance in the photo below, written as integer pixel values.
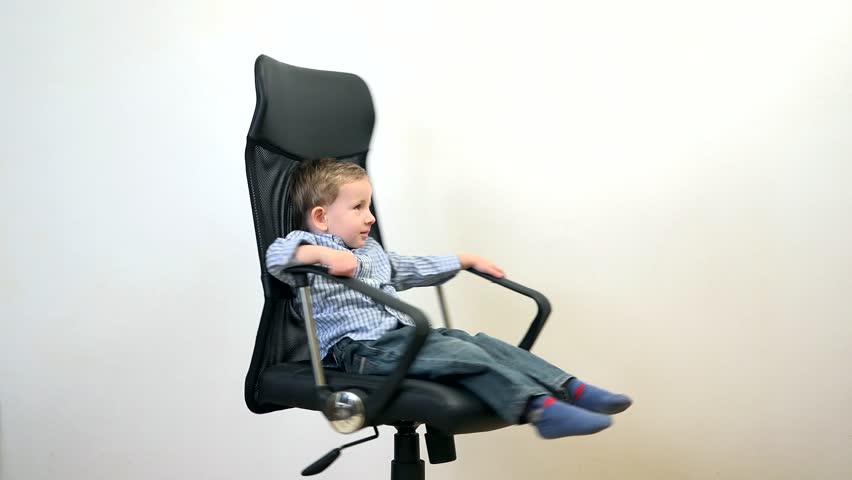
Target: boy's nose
(371, 219)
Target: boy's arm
(417, 271)
(299, 248)
(338, 262)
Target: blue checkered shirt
(341, 312)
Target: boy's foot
(596, 399)
(555, 419)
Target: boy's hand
(480, 264)
(340, 263)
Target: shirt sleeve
(418, 271)
(280, 254)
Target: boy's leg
(519, 359)
(512, 394)
(505, 390)
(564, 385)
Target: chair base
(406, 463)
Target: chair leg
(406, 464)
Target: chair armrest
(540, 300)
(377, 401)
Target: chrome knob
(345, 411)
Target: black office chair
(303, 113)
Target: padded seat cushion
(450, 409)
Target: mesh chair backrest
(300, 113)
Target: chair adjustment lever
(331, 456)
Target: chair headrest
(311, 113)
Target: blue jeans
(503, 376)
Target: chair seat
(447, 408)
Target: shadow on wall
(481, 228)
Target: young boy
(359, 335)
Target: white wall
(675, 176)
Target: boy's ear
(317, 218)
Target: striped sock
(555, 419)
(596, 399)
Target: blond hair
(317, 182)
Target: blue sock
(555, 419)
(596, 399)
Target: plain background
(674, 175)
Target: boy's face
(349, 215)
